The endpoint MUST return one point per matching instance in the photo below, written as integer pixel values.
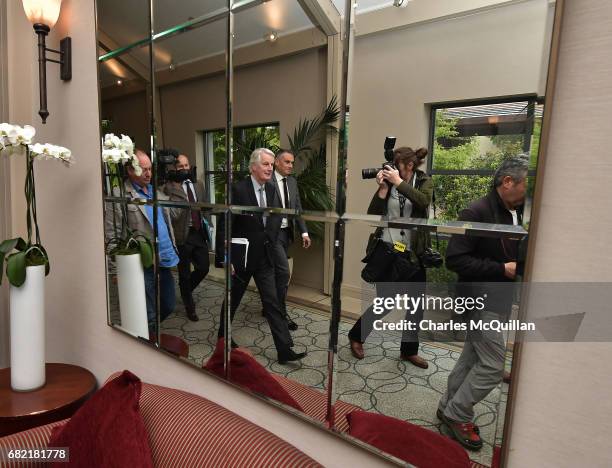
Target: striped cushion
(314, 402)
(186, 430)
(32, 438)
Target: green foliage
(441, 275)
(455, 192)
(245, 141)
(133, 242)
(25, 253)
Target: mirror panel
(167, 16)
(122, 24)
(467, 86)
(280, 93)
(190, 84)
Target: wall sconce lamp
(43, 14)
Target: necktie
(286, 193)
(196, 219)
(262, 202)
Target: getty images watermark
(534, 311)
(458, 305)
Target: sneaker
(464, 433)
(440, 416)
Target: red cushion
(247, 372)
(107, 431)
(413, 444)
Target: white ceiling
(126, 21)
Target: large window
(246, 139)
(470, 141)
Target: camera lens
(369, 173)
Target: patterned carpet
(381, 382)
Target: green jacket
(420, 195)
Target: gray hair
(515, 167)
(256, 156)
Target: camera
(166, 160)
(370, 172)
(431, 258)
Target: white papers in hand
(242, 241)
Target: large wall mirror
(243, 144)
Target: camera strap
(402, 200)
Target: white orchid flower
(136, 166)
(111, 141)
(49, 151)
(37, 149)
(25, 134)
(112, 155)
(127, 144)
(10, 136)
(5, 128)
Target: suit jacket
(294, 203)
(136, 215)
(181, 217)
(251, 226)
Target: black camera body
(166, 167)
(166, 160)
(370, 172)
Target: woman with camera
(403, 192)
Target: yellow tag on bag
(399, 246)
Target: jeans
(167, 294)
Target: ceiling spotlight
(172, 67)
(400, 3)
(119, 82)
(272, 36)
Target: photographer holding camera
(404, 191)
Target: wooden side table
(66, 389)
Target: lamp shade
(42, 11)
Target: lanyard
(402, 199)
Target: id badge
(400, 247)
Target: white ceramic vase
(27, 317)
(132, 296)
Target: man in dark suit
(262, 233)
(190, 231)
(287, 192)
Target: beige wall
(396, 74)
(130, 115)
(562, 413)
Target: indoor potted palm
(27, 264)
(131, 250)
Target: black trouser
(410, 339)
(263, 273)
(193, 251)
(281, 268)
